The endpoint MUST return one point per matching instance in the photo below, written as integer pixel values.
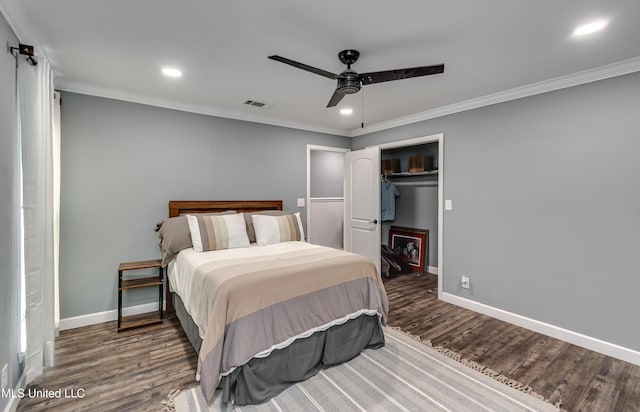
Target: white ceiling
(116, 48)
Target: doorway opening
(325, 195)
(423, 204)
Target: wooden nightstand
(135, 321)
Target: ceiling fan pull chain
(362, 111)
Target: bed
(265, 317)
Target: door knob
(375, 222)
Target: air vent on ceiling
(255, 103)
(259, 105)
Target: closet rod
(415, 183)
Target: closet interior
(410, 174)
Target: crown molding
(22, 29)
(11, 14)
(587, 76)
(19, 23)
(74, 87)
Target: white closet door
(362, 203)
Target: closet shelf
(409, 174)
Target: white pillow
(276, 229)
(217, 232)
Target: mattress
(250, 302)
(182, 269)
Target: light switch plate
(301, 202)
(448, 204)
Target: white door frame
(439, 138)
(313, 148)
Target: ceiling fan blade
(388, 75)
(335, 99)
(304, 67)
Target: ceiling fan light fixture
(171, 72)
(348, 82)
(346, 111)
(589, 28)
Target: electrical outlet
(5, 376)
(465, 281)
(301, 202)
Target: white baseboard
(12, 406)
(106, 316)
(588, 342)
(432, 269)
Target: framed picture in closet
(412, 245)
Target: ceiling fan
(349, 81)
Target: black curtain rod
(25, 50)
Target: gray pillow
(175, 235)
(247, 218)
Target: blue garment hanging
(388, 194)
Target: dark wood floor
(135, 370)
(127, 371)
(580, 379)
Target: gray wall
(327, 174)
(121, 164)
(9, 277)
(545, 219)
(546, 206)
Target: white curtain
(56, 207)
(36, 109)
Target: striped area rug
(404, 375)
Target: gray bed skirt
(261, 379)
(188, 325)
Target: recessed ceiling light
(171, 72)
(346, 111)
(590, 28)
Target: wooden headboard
(183, 207)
